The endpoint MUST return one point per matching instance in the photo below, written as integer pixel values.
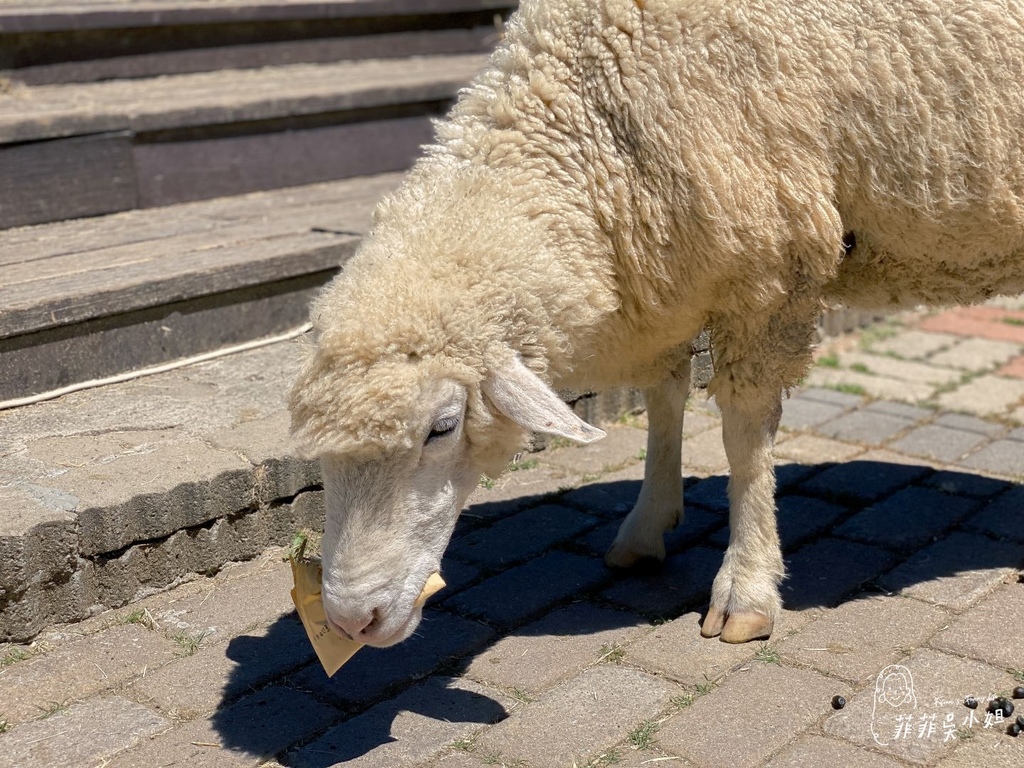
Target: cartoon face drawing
(894, 701)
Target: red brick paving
(984, 322)
(1013, 369)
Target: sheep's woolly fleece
(628, 171)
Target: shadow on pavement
(845, 528)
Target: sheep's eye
(442, 427)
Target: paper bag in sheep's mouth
(332, 649)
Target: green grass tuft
(188, 643)
(611, 653)
(767, 654)
(642, 737)
(54, 708)
(850, 389)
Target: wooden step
(90, 298)
(71, 151)
(83, 41)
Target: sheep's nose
(356, 626)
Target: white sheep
(624, 173)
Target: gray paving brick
(223, 609)
(457, 576)
(141, 569)
(458, 759)
(373, 672)
(956, 571)
(677, 650)
(905, 370)
(697, 421)
(411, 728)
(813, 449)
(799, 413)
(824, 571)
(864, 426)
(823, 395)
(908, 519)
(704, 454)
(1002, 517)
(970, 424)
(683, 580)
(102, 727)
(709, 493)
(914, 344)
(622, 445)
(939, 443)
(859, 637)
(220, 673)
(902, 410)
(517, 490)
(984, 396)
(697, 523)
(817, 750)
(80, 669)
(991, 630)
(561, 644)
(1000, 457)
(965, 484)
(579, 719)
(520, 536)
(613, 495)
(258, 441)
(991, 749)
(885, 387)
(525, 591)
(863, 480)
(38, 547)
(976, 354)
(924, 690)
(244, 734)
(749, 716)
(788, 475)
(186, 484)
(799, 518)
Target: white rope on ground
(163, 368)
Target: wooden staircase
(179, 177)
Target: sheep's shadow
(846, 529)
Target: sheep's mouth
(403, 632)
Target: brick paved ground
(901, 520)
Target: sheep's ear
(521, 395)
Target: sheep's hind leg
(659, 507)
(745, 600)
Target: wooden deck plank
(66, 178)
(215, 245)
(128, 262)
(70, 299)
(230, 96)
(256, 55)
(51, 15)
(348, 204)
(173, 172)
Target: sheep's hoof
(713, 623)
(747, 626)
(622, 556)
(736, 627)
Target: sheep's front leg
(659, 507)
(745, 600)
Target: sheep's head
(403, 441)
